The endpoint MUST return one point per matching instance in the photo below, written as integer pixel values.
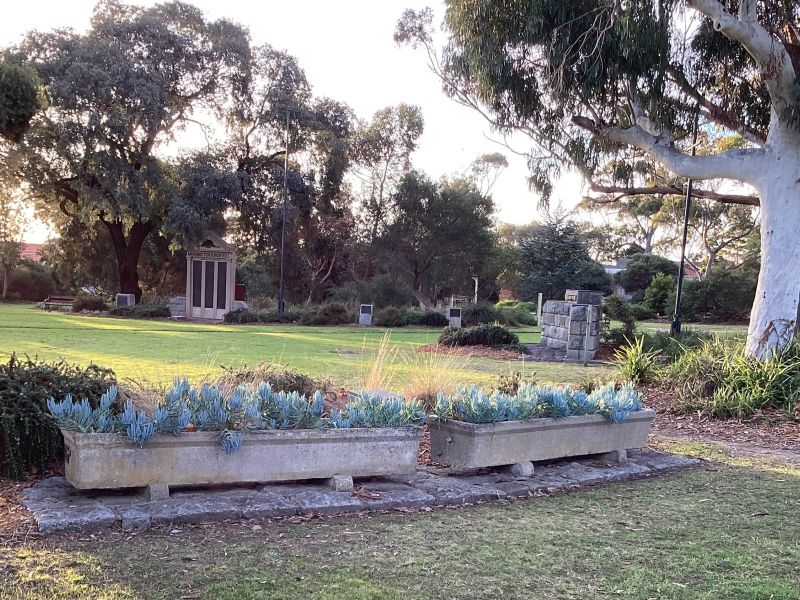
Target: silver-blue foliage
(473, 405)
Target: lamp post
(281, 304)
(675, 328)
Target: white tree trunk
(774, 318)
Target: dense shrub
(479, 314)
(143, 311)
(390, 317)
(89, 303)
(31, 281)
(326, 314)
(672, 346)
(721, 296)
(382, 290)
(480, 335)
(428, 318)
(28, 437)
(617, 309)
(657, 294)
(636, 364)
(287, 316)
(242, 315)
(716, 377)
(641, 270)
(516, 316)
(640, 312)
(529, 306)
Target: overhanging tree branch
(741, 164)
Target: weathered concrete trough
(523, 442)
(106, 461)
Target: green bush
(717, 378)
(640, 312)
(722, 296)
(641, 270)
(428, 318)
(31, 281)
(326, 314)
(636, 364)
(28, 437)
(516, 316)
(480, 335)
(242, 315)
(617, 309)
(390, 317)
(142, 311)
(673, 346)
(657, 294)
(287, 316)
(89, 303)
(529, 306)
(479, 314)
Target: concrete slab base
(59, 507)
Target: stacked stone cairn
(566, 324)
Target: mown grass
(157, 351)
(725, 532)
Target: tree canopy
(591, 83)
(116, 95)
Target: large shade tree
(440, 237)
(117, 95)
(590, 79)
(276, 112)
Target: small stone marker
(124, 300)
(365, 314)
(341, 483)
(454, 316)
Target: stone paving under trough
(57, 506)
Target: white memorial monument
(210, 279)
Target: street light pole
(281, 303)
(675, 328)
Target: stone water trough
(520, 443)
(110, 461)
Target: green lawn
(721, 533)
(722, 330)
(157, 351)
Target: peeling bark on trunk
(774, 318)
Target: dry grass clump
(280, 378)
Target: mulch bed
(478, 351)
(768, 429)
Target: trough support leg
(618, 457)
(521, 469)
(156, 491)
(341, 483)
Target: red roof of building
(32, 251)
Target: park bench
(52, 302)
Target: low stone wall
(565, 326)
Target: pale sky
(347, 51)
